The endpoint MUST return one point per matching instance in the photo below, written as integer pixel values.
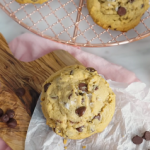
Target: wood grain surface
(15, 74)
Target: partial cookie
(31, 1)
(121, 15)
(77, 102)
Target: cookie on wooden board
(77, 102)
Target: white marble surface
(134, 56)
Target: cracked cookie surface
(121, 15)
(77, 102)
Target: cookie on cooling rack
(77, 102)
(121, 15)
(31, 1)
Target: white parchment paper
(132, 117)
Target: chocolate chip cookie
(31, 1)
(121, 15)
(77, 102)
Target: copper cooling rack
(68, 22)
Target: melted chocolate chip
(12, 123)
(80, 129)
(137, 140)
(46, 86)
(20, 92)
(146, 136)
(82, 100)
(96, 88)
(90, 69)
(4, 118)
(83, 87)
(71, 72)
(80, 111)
(10, 113)
(69, 96)
(1, 112)
(121, 11)
(142, 5)
(97, 117)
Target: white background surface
(134, 56)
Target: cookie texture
(121, 15)
(77, 102)
(31, 1)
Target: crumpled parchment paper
(132, 117)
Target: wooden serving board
(15, 74)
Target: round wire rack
(68, 22)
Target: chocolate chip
(81, 94)
(46, 86)
(96, 88)
(4, 118)
(90, 69)
(10, 113)
(71, 72)
(1, 112)
(109, 26)
(82, 100)
(80, 111)
(83, 87)
(20, 92)
(80, 129)
(97, 117)
(12, 123)
(142, 5)
(69, 96)
(121, 11)
(137, 140)
(131, 1)
(54, 97)
(146, 136)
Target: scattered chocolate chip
(12, 123)
(90, 69)
(1, 112)
(80, 129)
(97, 117)
(20, 92)
(142, 5)
(4, 118)
(54, 97)
(10, 113)
(131, 1)
(76, 93)
(83, 87)
(137, 140)
(71, 72)
(46, 86)
(80, 111)
(82, 100)
(121, 11)
(146, 136)
(96, 88)
(69, 96)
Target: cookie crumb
(65, 147)
(65, 141)
(83, 147)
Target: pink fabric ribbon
(29, 47)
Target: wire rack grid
(68, 22)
